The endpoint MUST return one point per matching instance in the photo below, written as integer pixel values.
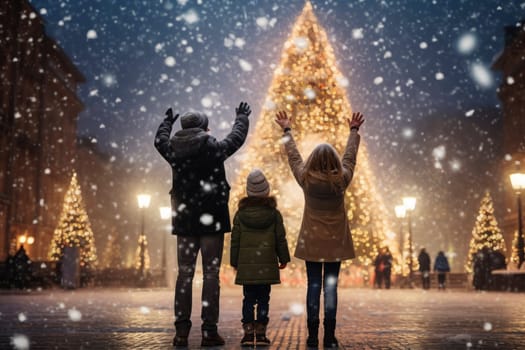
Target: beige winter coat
(324, 235)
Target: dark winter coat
(258, 242)
(424, 261)
(441, 264)
(325, 234)
(200, 192)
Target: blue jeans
(316, 280)
(187, 250)
(256, 295)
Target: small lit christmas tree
(406, 257)
(309, 86)
(112, 257)
(74, 229)
(514, 254)
(142, 253)
(486, 232)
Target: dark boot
(249, 334)
(181, 336)
(260, 335)
(313, 334)
(329, 340)
(211, 338)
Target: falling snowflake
(378, 80)
(487, 326)
(342, 81)
(245, 65)
(467, 43)
(309, 93)
(469, 113)
(190, 17)
(357, 33)
(20, 342)
(169, 61)
(22, 317)
(206, 219)
(439, 152)
(296, 309)
(262, 22)
(301, 43)
(144, 310)
(481, 75)
(74, 315)
(91, 34)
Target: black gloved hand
(243, 108)
(170, 117)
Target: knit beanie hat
(194, 120)
(256, 184)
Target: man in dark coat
(200, 215)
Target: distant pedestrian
(324, 237)
(481, 269)
(383, 268)
(258, 250)
(200, 213)
(441, 266)
(378, 271)
(424, 267)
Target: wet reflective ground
(367, 319)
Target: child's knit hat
(257, 185)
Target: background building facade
(39, 108)
(511, 62)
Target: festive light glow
(400, 211)
(143, 200)
(74, 229)
(307, 85)
(165, 213)
(518, 181)
(486, 232)
(409, 203)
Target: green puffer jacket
(258, 241)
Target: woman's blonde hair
(324, 164)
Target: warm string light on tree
(112, 256)
(308, 85)
(143, 243)
(74, 229)
(486, 232)
(514, 258)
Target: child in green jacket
(258, 250)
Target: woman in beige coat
(324, 238)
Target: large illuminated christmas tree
(308, 85)
(486, 232)
(74, 229)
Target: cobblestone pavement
(367, 319)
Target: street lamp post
(400, 214)
(165, 214)
(518, 184)
(143, 202)
(410, 204)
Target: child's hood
(257, 212)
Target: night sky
(418, 70)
